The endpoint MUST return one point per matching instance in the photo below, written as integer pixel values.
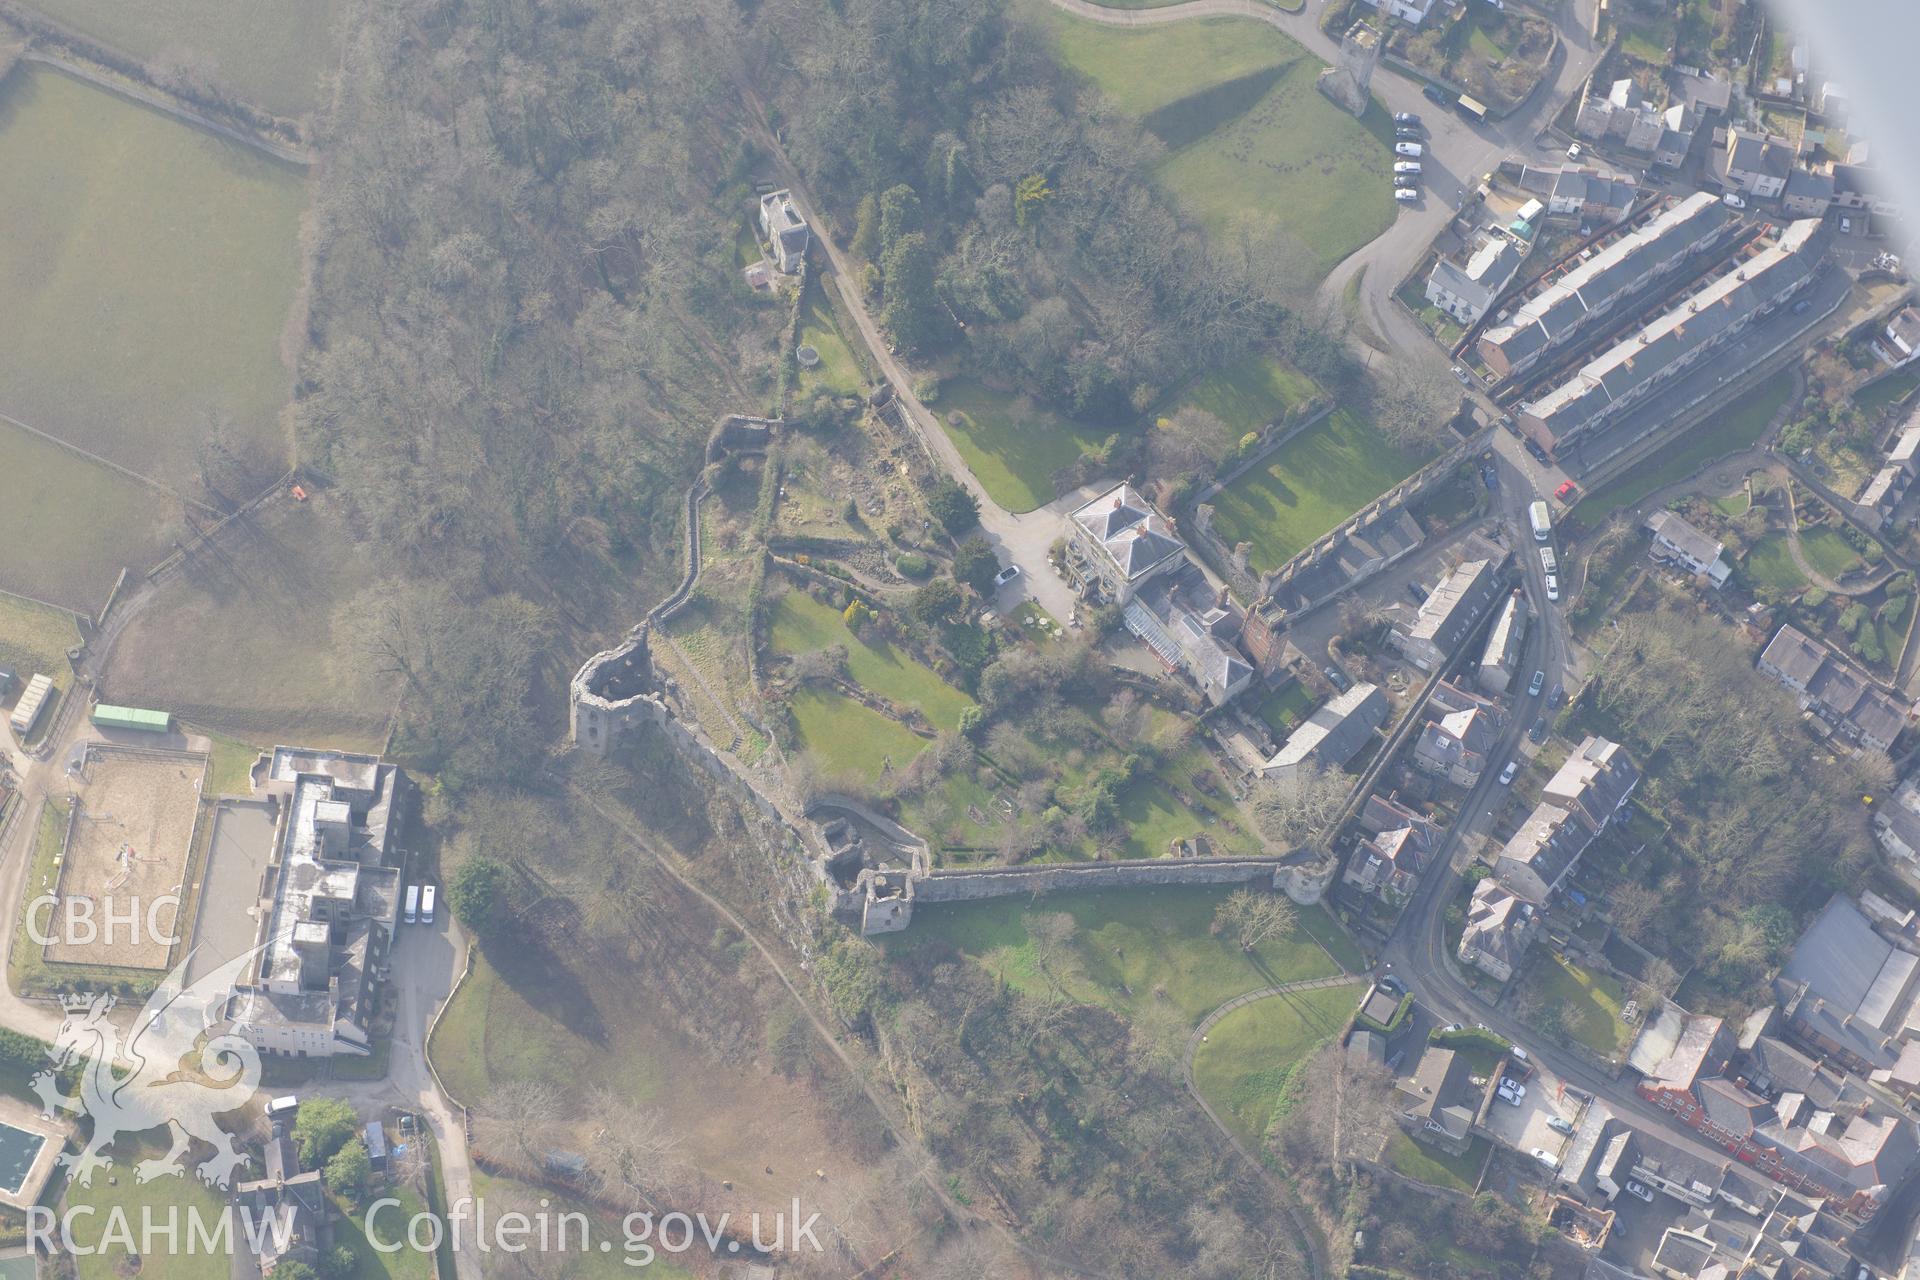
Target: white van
(412, 915)
(284, 1105)
(1537, 517)
(426, 904)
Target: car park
(1506, 774)
(1412, 150)
(1635, 1189)
(1006, 575)
(1538, 683)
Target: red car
(1565, 490)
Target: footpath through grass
(1249, 137)
(1247, 1063)
(1308, 486)
(1735, 427)
(1132, 950)
(802, 624)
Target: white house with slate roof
(1117, 542)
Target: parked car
(1573, 151)
(1566, 490)
(1556, 696)
(1547, 1158)
(1539, 454)
(1513, 1086)
(1506, 774)
(1507, 1098)
(1341, 680)
(1006, 575)
(1635, 1189)
(1846, 225)
(1437, 95)
(1406, 166)
(1405, 195)
(1800, 307)
(1538, 734)
(1405, 117)
(1517, 1053)
(1388, 982)
(1418, 592)
(1733, 201)
(1406, 181)
(1553, 589)
(1560, 1124)
(1538, 683)
(1408, 131)
(1413, 150)
(1460, 372)
(1450, 1028)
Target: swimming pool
(18, 1150)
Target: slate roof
(1595, 780)
(1677, 530)
(1859, 986)
(1757, 153)
(1333, 734)
(1732, 1109)
(1134, 535)
(1796, 655)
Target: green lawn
(1249, 1056)
(1308, 486)
(1011, 445)
(530, 1025)
(1734, 428)
(1887, 390)
(1589, 1003)
(34, 640)
(1828, 552)
(839, 370)
(228, 771)
(1247, 394)
(1282, 710)
(390, 1225)
(1435, 1167)
(848, 738)
(1134, 949)
(146, 276)
(1769, 563)
(1249, 137)
(802, 624)
(158, 1198)
(271, 52)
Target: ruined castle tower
(1349, 81)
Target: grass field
(1435, 1167)
(838, 371)
(1247, 394)
(1011, 445)
(1307, 486)
(802, 624)
(159, 1198)
(146, 277)
(70, 525)
(1887, 390)
(285, 666)
(1734, 428)
(848, 738)
(1248, 1060)
(270, 52)
(35, 639)
(1588, 1003)
(1770, 564)
(1283, 710)
(1247, 134)
(1133, 950)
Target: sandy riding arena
(126, 852)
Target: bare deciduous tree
(1252, 917)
